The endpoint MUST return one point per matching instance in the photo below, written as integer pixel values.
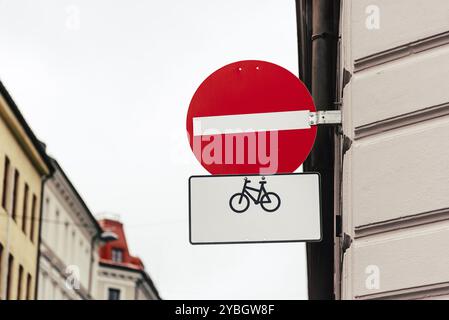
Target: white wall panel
(403, 86)
(396, 173)
(401, 22)
(401, 172)
(407, 259)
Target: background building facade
(122, 276)
(49, 239)
(69, 252)
(23, 168)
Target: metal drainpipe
(322, 74)
(36, 282)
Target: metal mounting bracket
(325, 117)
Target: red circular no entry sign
(250, 117)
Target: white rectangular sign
(253, 208)
(254, 122)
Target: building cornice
(60, 267)
(75, 205)
(142, 273)
(32, 147)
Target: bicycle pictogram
(269, 201)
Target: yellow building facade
(24, 167)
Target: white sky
(107, 84)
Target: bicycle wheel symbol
(269, 201)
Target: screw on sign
(251, 117)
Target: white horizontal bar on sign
(253, 122)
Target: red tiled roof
(121, 244)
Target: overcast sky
(107, 84)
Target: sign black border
(253, 242)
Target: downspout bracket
(325, 117)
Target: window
(56, 227)
(25, 209)
(14, 194)
(9, 277)
(73, 246)
(1, 264)
(19, 283)
(117, 255)
(53, 290)
(5, 184)
(42, 285)
(113, 294)
(33, 217)
(28, 295)
(66, 239)
(46, 218)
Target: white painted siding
(395, 185)
(402, 22)
(407, 85)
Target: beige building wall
(396, 175)
(19, 236)
(131, 283)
